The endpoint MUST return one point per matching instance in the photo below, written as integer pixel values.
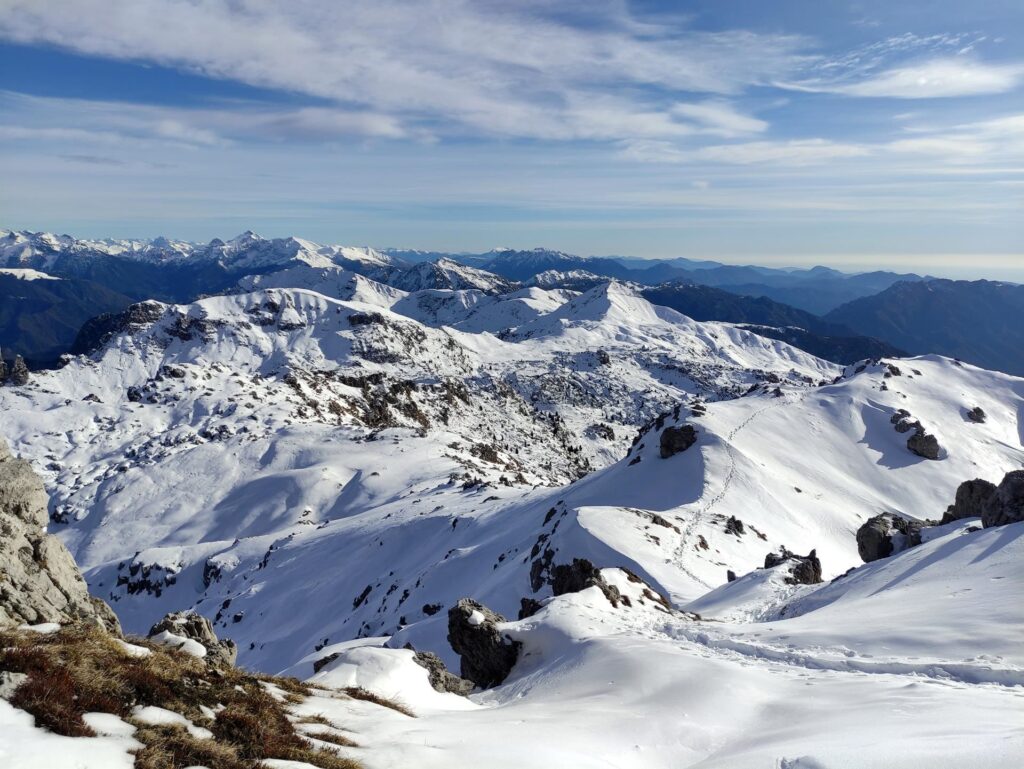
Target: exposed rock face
(977, 415)
(487, 655)
(19, 372)
(1006, 505)
(803, 569)
(579, 575)
(441, 678)
(528, 607)
(188, 624)
(3, 370)
(885, 534)
(677, 439)
(924, 444)
(39, 580)
(971, 499)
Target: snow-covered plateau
(324, 465)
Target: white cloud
(939, 78)
(448, 66)
(797, 152)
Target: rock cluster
(885, 534)
(488, 655)
(970, 502)
(440, 677)
(189, 624)
(803, 569)
(921, 442)
(677, 439)
(579, 575)
(39, 579)
(1006, 504)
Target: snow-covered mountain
(324, 465)
(445, 273)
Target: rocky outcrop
(677, 439)
(188, 624)
(924, 444)
(39, 580)
(885, 534)
(441, 678)
(579, 575)
(18, 375)
(488, 655)
(1006, 505)
(977, 415)
(970, 502)
(803, 569)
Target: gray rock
(189, 624)
(971, 499)
(579, 575)
(3, 369)
(924, 444)
(1006, 505)
(803, 569)
(19, 372)
(977, 415)
(885, 534)
(487, 654)
(441, 678)
(39, 580)
(677, 439)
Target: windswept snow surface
(329, 474)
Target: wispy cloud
(496, 68)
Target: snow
(132, 650)
(43, 628)
(154, 716)
(475, 618)
(325, 468)
(26, 746)
(187, 645)
(27, 274)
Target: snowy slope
(327, 469)
(445, 273)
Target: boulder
(977, 415)
(39, 579)
(579, 575)
(441, 678)
(885, 534)
(803, 569)
(189, 624)
(677, 439)
(488, 655)
(924, 444)
(970, 502)
(1006, 505)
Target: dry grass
(80, 670)
(359, 693)
(334, 739)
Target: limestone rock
(924, 444)
(1006, 505)
(19, 372)
(579, 575)
(803, 569)
(885, 534)
(189, 624)
(487, 654)
(39, 580)
(441, 678)
(971, 499)
(677, 439)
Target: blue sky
(855, 134)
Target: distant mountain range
(838, 316)
(980, 321)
